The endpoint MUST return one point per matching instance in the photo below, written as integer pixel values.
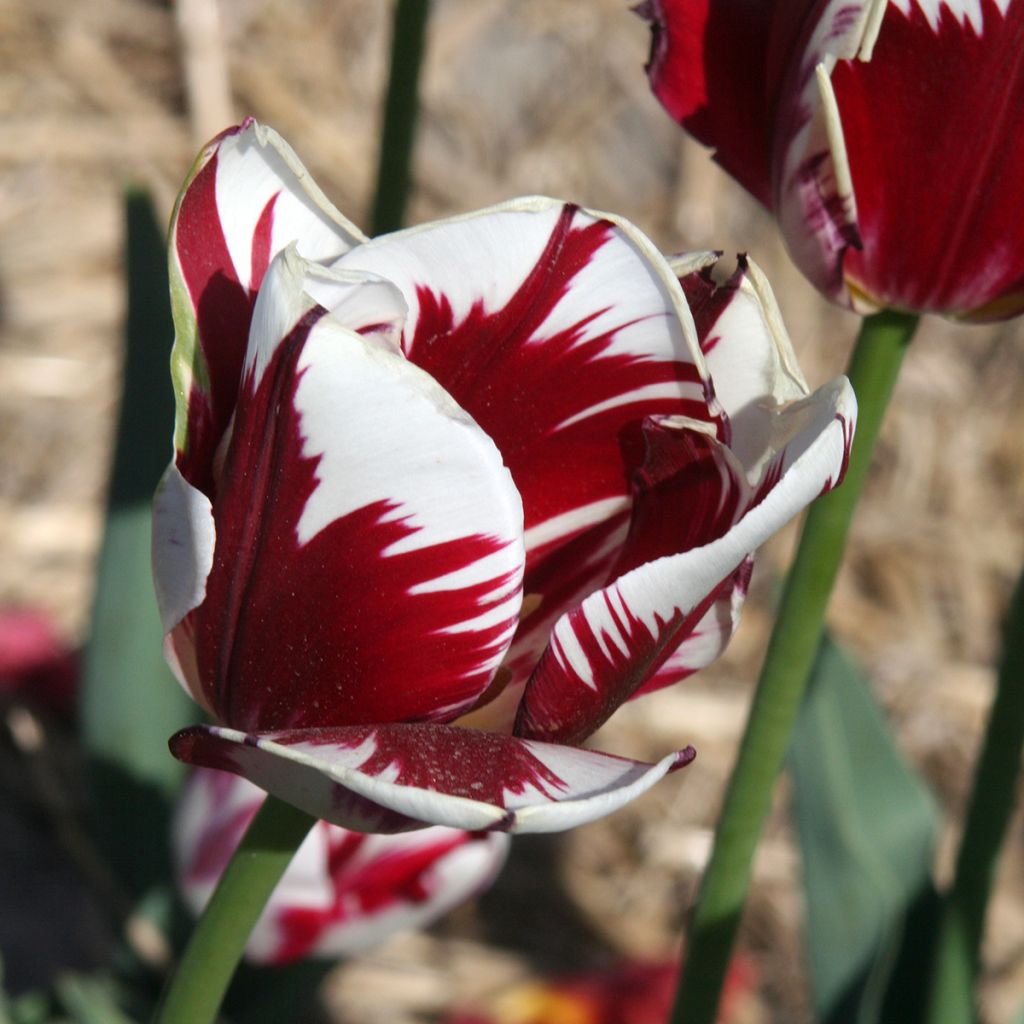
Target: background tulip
(477, 466)
(344, 891)
(884, 135)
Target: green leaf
(130, 704)
(867, 826)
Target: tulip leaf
(130, 703)
(867, 828)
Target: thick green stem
(988, 814)
(401, 109)
(873, 369)
(197, 988)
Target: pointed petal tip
(683, 757)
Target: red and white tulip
(343, 892)
(885, 135)
(443, 500)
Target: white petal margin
(752, 363)
(814, 196)
(584, 659)
(207, 826)
(328, 780)
(254, 164)
(484, 257)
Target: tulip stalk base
(874, 367)
(195, 992)
(988, 814)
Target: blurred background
(518, 97)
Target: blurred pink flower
(35, 664)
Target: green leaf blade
(867, 826)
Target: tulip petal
(352, 476)
(813, 189)
(183, 542)
(343, 892)
(509, 304)
(396, 777)
(618, 639)
(708, 638)
(708, 66)
(506, 306)
(246, 198)
(182, 545)
(749, 355)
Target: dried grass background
(519, 96)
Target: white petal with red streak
(359, 398)
(709, 637)
(751, 361)
(358, 401)
(328, 781)
(570, 693)
(627, 288)
(485, 255)
(253, 165)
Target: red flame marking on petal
(328, 633)
(223, 312)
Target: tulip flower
(884, 135)
(441, 501)
(344, 892)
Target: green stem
(988, 814)
(400, 113)
(197, 988)
(873, 369)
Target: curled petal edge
(323, 786)
(578, 682)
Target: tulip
(884, 136)
(344, 892)
(442, 501)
